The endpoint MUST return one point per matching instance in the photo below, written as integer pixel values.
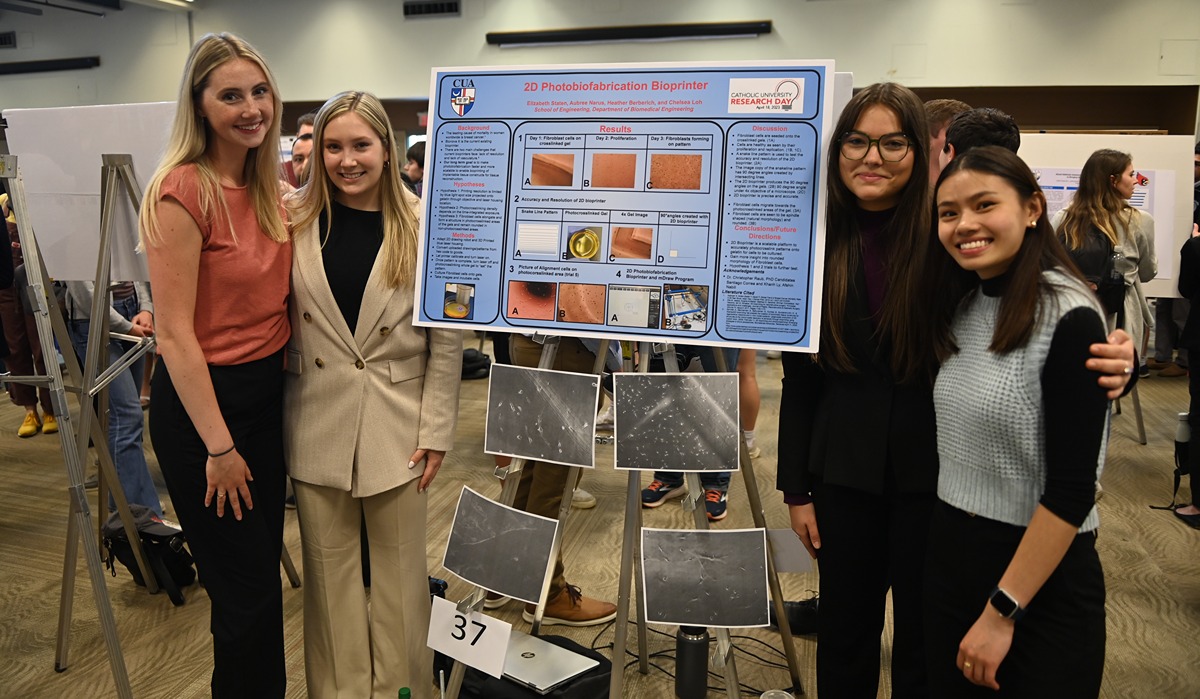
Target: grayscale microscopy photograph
(542, 414)
(677, 422)
(498, 548)
(705, 578)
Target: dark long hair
(901, 328)
(1039, 251)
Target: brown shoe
(1156, 365)
(571, 608)
(1173, 370)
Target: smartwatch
(1005, 605)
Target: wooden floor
(1150, 560)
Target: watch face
(1004, 604)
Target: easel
(633, 524)
(79, 520)
(723, 658)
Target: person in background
(983, 126)
(414, 167)
(1189, 338)
(20, 333)
(1106, 183)
(131, 313)
(939, 113)
(220, 261)
(302, 147)
(1014, 590)
(355, 352)
(1171, 314)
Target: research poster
(650, 202)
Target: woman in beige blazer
(369, 409)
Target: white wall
(318, 47)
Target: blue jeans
(125, 419)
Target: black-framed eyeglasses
(892, 147)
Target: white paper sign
(476, 640)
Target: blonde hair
(1096, 202)
(189, 144)
(399, 206)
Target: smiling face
(354, 158)
(982, 221)
(237, 105)
(876, 184)
(1125, 182)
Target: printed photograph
(676, 422)
(542, 414)
(724, 573)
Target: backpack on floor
(166, 552)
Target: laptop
(541, 666)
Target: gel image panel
(552, 170)
(499, 548)
(676, 171)
(632, 243)
(676, 422)
(542, 414)
(581, 303)
(614, 170)
(530, 300)
(705, 578)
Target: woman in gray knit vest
(1014, 589)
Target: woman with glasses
(857, 451)
(858, 460)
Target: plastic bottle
(405, 693)
(691, 662)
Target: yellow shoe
(30, 427)
(49, 424)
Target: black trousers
(1058, 646)
(238, 562)
(870, 543)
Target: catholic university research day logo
(462, 96)
(765, 95)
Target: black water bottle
(691, 662)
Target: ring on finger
(967, 665)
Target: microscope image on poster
(542, 415)
(705, 578)
(677, 422)
(499, 548)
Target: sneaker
(1143, 371)
(714, 504)
(31, 426)
(571, 608)
(754, 451)
(1173, 370)
(658, 493)
(92, 482)
(494, 600)
(290, 502)
(605, 420)
(49, 424)
(582, 499)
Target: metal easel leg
(80, 523)
(760, 521)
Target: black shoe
(1192, 521)
(290, 502)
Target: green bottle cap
(405, 693)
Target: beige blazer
(358, 404)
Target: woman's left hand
(985, 647)
(433, 461)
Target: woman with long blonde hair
(1106, 183)
(370, 407)
(219, 256)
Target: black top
(856, 429)
(349, 253)
(1075, 411)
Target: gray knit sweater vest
(991, 427)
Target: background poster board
(1167, 196)
(59, 153)
(669, 202)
